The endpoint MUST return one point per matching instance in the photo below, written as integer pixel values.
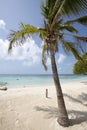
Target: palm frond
(15, 37)
(81, 20)
(22, 34)
(10, 47)
(47, 8)
(51, 6)
(68, 28)
(56, 8)
(70, 47)
(57, 13)
(45, 11)
(81, 43)
(29, 28)
(69, 7)
(79, 38)
(84, 39)
(42, 35)
(48, 3)
(74, 7)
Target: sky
(26, 59)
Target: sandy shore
(29, 109)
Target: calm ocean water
(37, 80)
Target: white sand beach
(29, 109)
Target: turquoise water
(37, 80)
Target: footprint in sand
(9, 106)
(17, 122)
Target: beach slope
(29, 109)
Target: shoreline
(43, 80)
(83, 81)
(29, 109)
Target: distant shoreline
(38, 80)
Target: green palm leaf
(73, 7)
(80, 42)
(80, 38)
(69, 7)
(68, 28)
(25, 31)
(84, 39)
(70, 47)
(55, 9)
(81, 20)
(47, 9)
(29, 29)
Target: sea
(17, 80)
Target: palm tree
(53, 34)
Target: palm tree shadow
(76, 117)
(51, 112)
(83, 96)
(80, 99)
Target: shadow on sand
(77, 117)
(80, 99)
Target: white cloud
(2, 24)
(29, 52)
(3, 48)
(61, 58)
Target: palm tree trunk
(62, 113)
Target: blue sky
(26, 59)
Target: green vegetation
(80, 66)
(58, 16)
